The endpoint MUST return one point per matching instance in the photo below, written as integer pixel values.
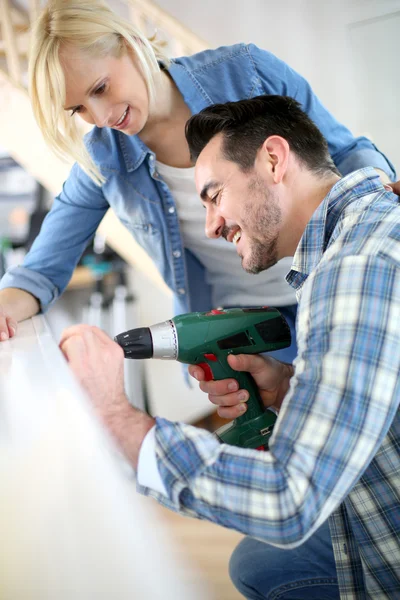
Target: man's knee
(235, 566)
(261, 571)
(244, 566)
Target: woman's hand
(271, 376)
(8, 325)
(15, 305)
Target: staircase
(19, 133)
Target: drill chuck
(157, 341)
(136, 343)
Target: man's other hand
(98, 364)
(271, 376)
(395, 187)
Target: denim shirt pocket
(138, 208)
(142, 224)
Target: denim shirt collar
(193, 93)
(133, 150)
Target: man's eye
(214, 198)
(77, 109)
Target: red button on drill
(211, 357)
(207, 371)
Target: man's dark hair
(246, 124)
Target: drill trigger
(207, 370)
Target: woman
(86, 62)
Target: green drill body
(207, 339)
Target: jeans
(262, 572)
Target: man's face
(241, 207)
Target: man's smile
(237, 237)
(232, 234)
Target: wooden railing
(13, 42)
(152, 20)
(145, 14)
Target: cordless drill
(206, 339)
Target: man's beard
(262, 257)
(263, 216)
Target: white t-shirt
(231, 285)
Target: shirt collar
(194, 94)
(133, 150)
(319, 229)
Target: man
(269, 185)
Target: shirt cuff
(366, 157)
(148, 474)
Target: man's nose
(214, 225)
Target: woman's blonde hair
(91, 26)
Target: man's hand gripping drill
(271, 376)
(210, 342)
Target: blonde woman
(88, 63)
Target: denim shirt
(143, 202)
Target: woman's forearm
(17, 304)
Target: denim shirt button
(171, 210)
(177, 253)
(181, 291)
(151, 157)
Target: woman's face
(106, 91)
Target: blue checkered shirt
(335, 448)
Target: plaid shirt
(335, 447)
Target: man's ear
(274, 157)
